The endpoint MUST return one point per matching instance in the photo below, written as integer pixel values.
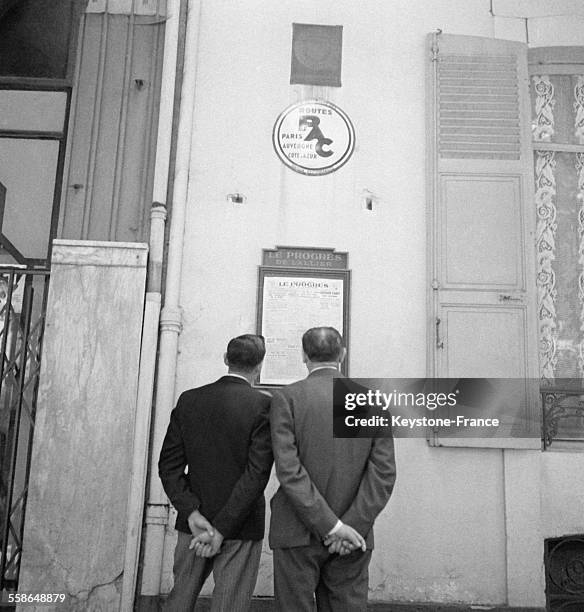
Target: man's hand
(198, 524)
(344, 541)
(205, 545)
(340, 547)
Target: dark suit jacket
(221, 433)
(323, 479)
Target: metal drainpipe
(143, 411)
(170, 317)
(151, 308)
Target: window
(32, 136)
(36, 37)
(557, 110)
(506, 165)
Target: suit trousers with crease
(235, 571)
(303, 573)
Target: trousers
(235, 569)
(307, 574)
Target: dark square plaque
(316, 54)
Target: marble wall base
(81, 463)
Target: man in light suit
(331, 490)
(219, 432)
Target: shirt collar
(237, 376)
(327, 367)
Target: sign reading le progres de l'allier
(300, 257)
(314, 137)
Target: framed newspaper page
(302, 288)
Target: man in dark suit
(220, 433)
(331, 490)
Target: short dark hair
(322, 344)
(246, 352)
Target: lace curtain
(558, 136)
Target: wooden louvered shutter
(482, 299)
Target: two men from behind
(220, 433)
(331, 490)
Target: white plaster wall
(541, 23)
(443, 535)
(562, 496)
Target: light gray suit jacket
(323, 479)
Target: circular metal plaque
(314, 137)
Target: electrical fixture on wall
(369, 200)
(236, 198)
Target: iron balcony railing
(563, 413)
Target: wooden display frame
(264, 323)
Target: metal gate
(564, 573)
(23, 299)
